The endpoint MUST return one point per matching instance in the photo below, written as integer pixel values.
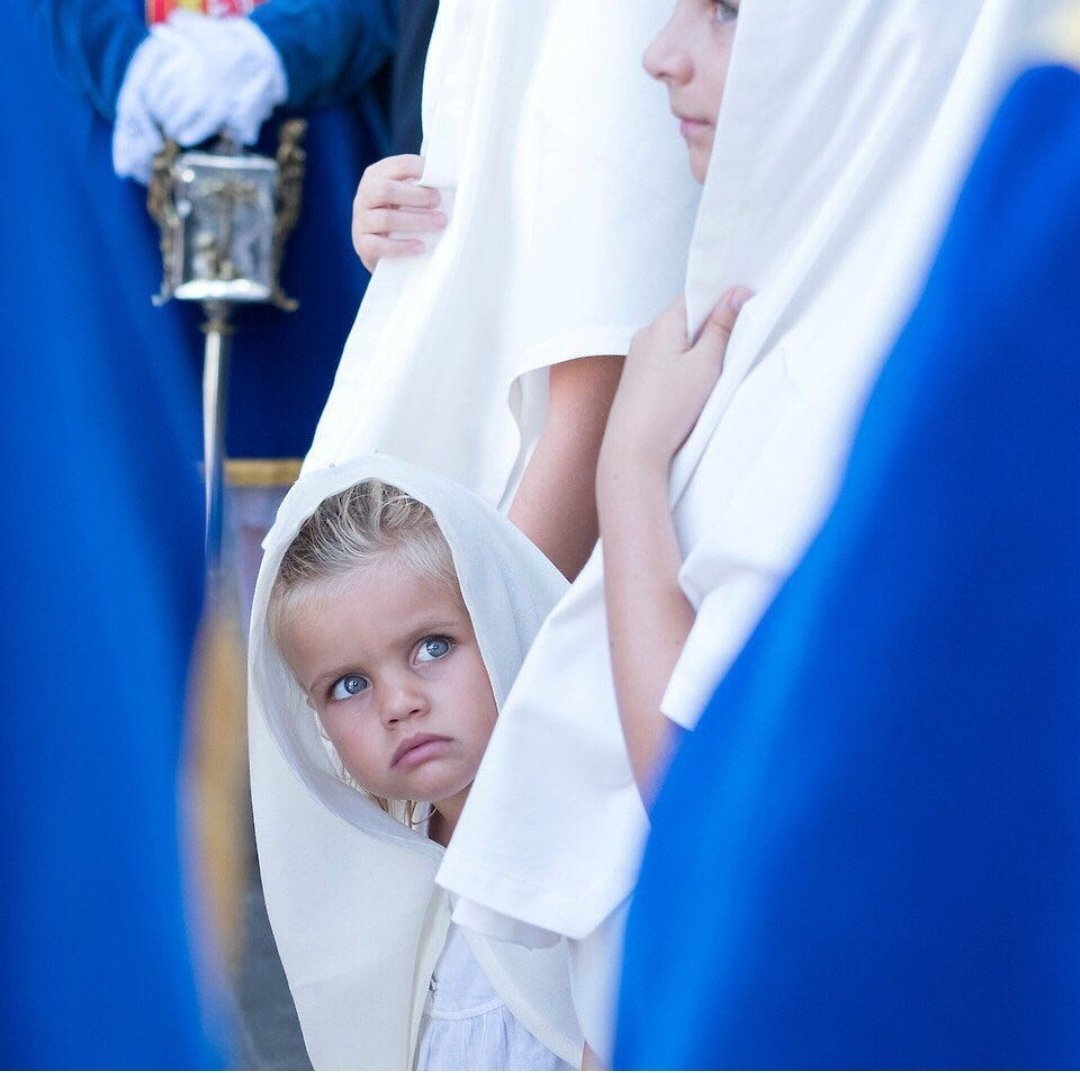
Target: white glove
(194, 77)
(226, 76)
(136, 137)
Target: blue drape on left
(100, 586)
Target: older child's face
(691, 56)
(391, 666)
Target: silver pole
(218, 330)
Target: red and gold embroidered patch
(160, 10)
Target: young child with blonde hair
(394, 614)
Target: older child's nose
(666, 59)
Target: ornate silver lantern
(224, 217)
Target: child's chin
(432, 791)
(699, 160)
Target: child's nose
(402, 699)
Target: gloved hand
(136, 135)
(191, 78)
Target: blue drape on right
(868, 854)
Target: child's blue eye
(432, 648)
(724, 12)
(348, 686)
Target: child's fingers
(712, 343)
(403, 166)
(373, 248)
(674, 311)
(388, 200)
(405, 195)
(389, 193)
(399, 247)
(392, 182)
(671, 324)
(383, 221)
(666, 334)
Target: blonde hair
(360, 526)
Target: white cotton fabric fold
(350, 891)
(843, 136)
(467, 1026)
(570, 212)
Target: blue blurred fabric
(868, 854)
(101, 546)
(336, 55)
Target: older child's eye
(432, 648)
(348, 686)
(725, 12)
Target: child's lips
(690, 127)
(419, 749)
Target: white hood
(350, 890)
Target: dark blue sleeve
(91, 42)
(415, 24)
(330, 48)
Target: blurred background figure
(102, 545)
(193, 76)
(866, 854)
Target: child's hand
(389, 200)
(666, 383)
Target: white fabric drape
(569, 216)
(357, 917)
(844, 132)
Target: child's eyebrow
(436, 627)
(414, 631)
